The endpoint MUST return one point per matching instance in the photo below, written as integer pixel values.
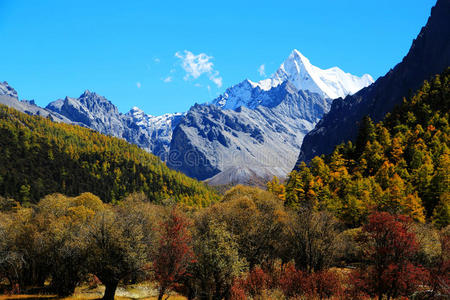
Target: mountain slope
(38, 157)
(297, 69)
(254, 130)
(9, 97)
(400, 165)
(152, 133)
(244, 145)
(429, 55)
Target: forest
(39, 157)
(400, 165)
(369, 221)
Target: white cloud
(216, 79)
(196, 65)
(156, 60)
(262, 70)
(138, 84)
(167, 79)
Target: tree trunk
(110, 290)
(161, 293)
(380, 296)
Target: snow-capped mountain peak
(297, 69)
(331, 83)
(136, 113)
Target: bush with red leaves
(238, 292)
(322, 284)
(291, 281)
(256, 281)
(252, 283)
(390, 247)
(174, 253)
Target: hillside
(39, 157)
(429, 55)
(400, 165)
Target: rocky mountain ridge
(429, 55)
(243, 145)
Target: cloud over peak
(196, 65)
(262, 70)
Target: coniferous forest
(40, 157)
(400, 165)
(371, 220)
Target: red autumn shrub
(253, 282)
(390, 247)
(174, 253)
(356, 286)
(256, 281)
(237, 291)
(291, 281)
(322, 284)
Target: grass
(139, 291)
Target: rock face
(153, 133)
(246, 144)
(9, 97)
(94, 111)
(7, 91)
(428, 55)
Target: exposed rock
(236, 146)
(428, 55)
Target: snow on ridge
(330, 83)
(146, 120)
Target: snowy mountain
(249, 134)
(330, 83)
(152, 133)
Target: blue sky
(163, 56)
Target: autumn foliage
(400, 165)
(40, 157)
(174, 253)
(369, 221)
(389, 247)
(292, 282)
